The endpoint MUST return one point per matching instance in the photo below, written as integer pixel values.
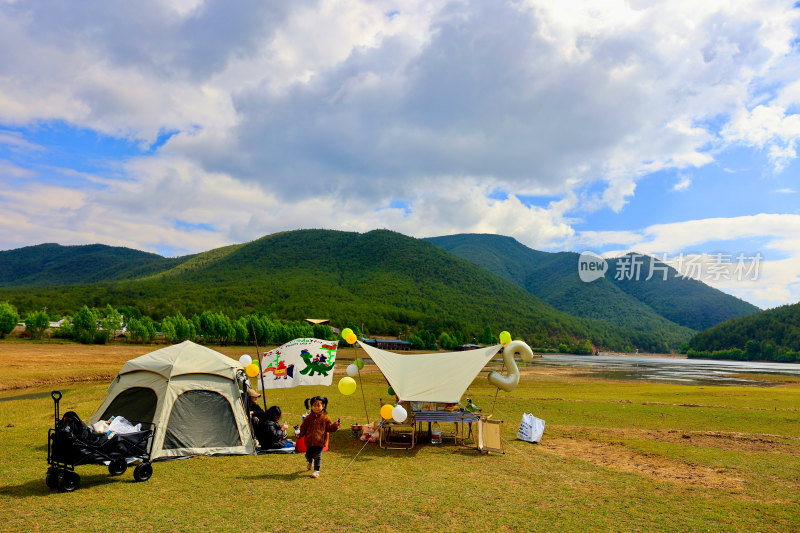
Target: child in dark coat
(271, 434)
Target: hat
(252, 393)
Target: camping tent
(191, 393)
(435, 377)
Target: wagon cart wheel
(68, 481)
(117, 467)
(53, 477)
(143, 472)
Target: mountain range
(391, 283)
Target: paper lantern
(352, 370)
(399, 413)
(347, 386)
(351, 339)
(386, 411)
(359, 363)
(505, 337)
(245, 360)
(251, 370)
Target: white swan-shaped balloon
(510, 381)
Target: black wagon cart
(70, 442)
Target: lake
(671, 370)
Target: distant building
(388, 344)
(465, 347)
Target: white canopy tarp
(434, 377)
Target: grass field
(616, 456)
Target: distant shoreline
(644, 354)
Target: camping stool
(490, 436)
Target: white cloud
(316, 113)
(683, 183)
(767, 126)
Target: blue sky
(658, 127)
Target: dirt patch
(618, 457)
(723, 440)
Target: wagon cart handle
(56, 395)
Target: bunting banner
(299, 362)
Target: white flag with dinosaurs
(298, 362)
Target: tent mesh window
(137, 404)
(201, 419)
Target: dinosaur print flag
(298, 362)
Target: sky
(667, 128)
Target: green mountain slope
(638, 304)
(685, 301)
(553, 277)
(53, 264)
(387, 281)
(779, 327)
(197, 262)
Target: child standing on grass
(315, 428)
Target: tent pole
(260, 370)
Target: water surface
(672, 370)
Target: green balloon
(359, 363)
(391, 391)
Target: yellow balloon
(386, 411)
(505, 337)
(351, 339)
(346, 332)
(347, 385)
(251, 370)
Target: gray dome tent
(192, 394)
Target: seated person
(256, 411)
(271, 434)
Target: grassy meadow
(616, 456)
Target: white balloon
(352, 370)
(245, 360)
(399, 413)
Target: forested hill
(53, 264)
(758, 334)
(389, 282)
(639, 303)
(683, 300)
